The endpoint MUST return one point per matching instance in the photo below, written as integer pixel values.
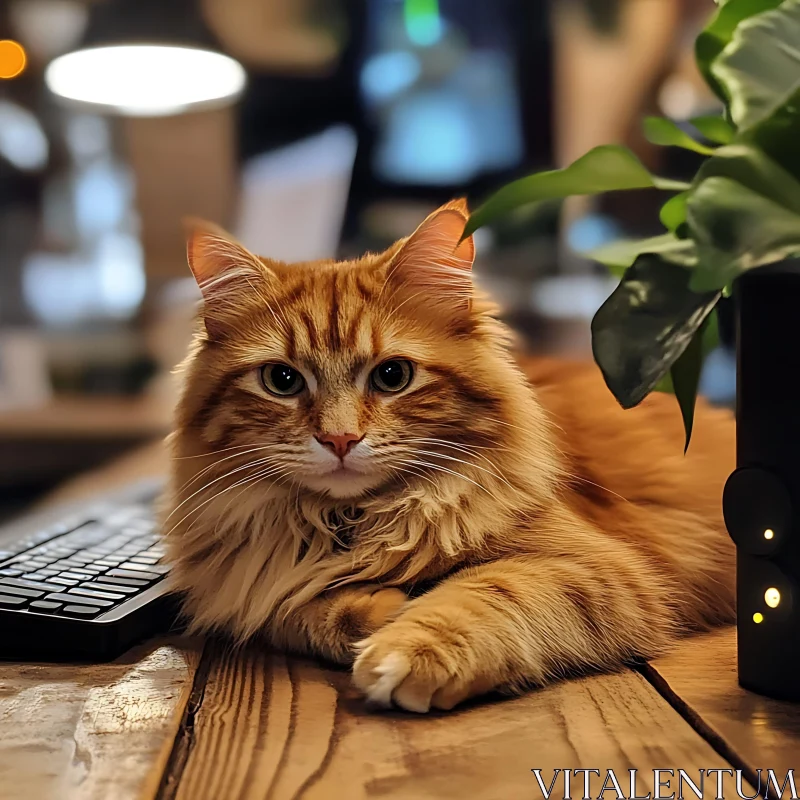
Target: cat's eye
(392, 376)
(282, 380)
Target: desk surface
(183, 719)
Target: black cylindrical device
(762, 497)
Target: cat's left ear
(435, 262)
(225, 271)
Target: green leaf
(710, 338)
(719, 31)
(715, 129)
(749, 166)
(760, 67)
(645, 325)
(686, 371)
(658, 130)
(778, 137)
(606, 168)
(685, 375)
(620, 255)
(735, 230)
(673, 212)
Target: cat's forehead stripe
(330, 314)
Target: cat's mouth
(343, 480)
(345, 469)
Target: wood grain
(94, 732)
(275, 728)
(701, 672)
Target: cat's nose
(339, 443)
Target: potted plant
(732, 230)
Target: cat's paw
(382, 605)
(406, 665)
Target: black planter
(762, 497)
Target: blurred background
(310, 129)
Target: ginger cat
(361, 472)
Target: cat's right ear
(226, 272)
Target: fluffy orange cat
(362, 472)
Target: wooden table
(183, 719)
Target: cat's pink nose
(340, 443)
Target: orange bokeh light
(12, 58)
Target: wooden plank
(88, 417)
(278, 728)
(94, 732)
(701, 673)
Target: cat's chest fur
(267, 556)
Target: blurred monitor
(448, 101)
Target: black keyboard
(84, 583)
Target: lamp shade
(147, 58)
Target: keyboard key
(113, 588)
(62, 581)
(68, 598)
(145, 559)
(45, 606)
(155, 569)
(26, 584)
(10, 573)
(37, 563)
(45, 573)
(20, 592)
(66, 563)
(12, 602)
(116, 581)
(76, 575)
(90, 534)
(96, 593)
(81, 559)
(91, 569)
(108, 562)
(94, 554)
(60, 549)
(135, 574)
(80, 611)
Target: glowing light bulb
(758, 617)
(772, 597)
(769, 533)
(146, 80)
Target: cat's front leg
(510, 624)
(331, 624)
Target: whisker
(440, 468)
(468, 449)
(599, 486)
(213, 452)
(220, 461)
(205, 486)
(215, 496)
(466, 464)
